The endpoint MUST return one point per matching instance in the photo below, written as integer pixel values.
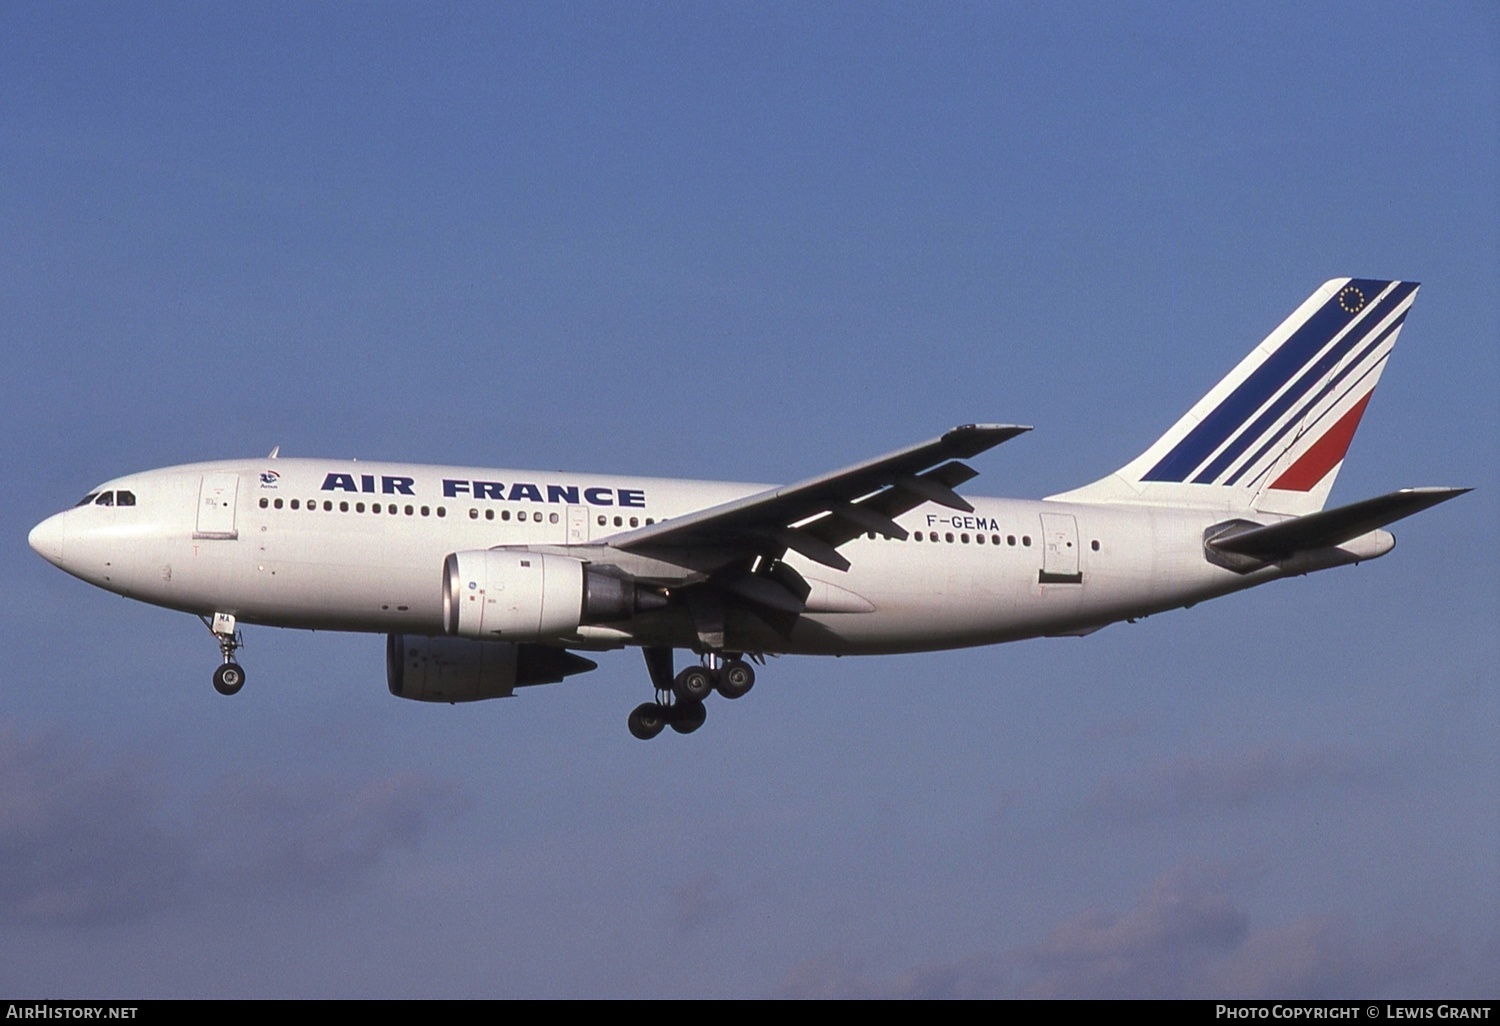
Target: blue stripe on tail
(1314, 374)
(1280, 367)
(1301, 415)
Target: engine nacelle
(460, 670)
(531, 596)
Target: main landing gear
(679, 699)
(230, 676)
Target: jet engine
(532, 596)
(460, 670)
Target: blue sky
(755, 242)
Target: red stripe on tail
(1325, 453)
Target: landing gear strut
(230, 676)
(679, 699)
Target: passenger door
(216, 501)
(1059, 550)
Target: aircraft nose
(47, 539)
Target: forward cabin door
(216, 500)
(1059, 550)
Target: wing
(816, 516)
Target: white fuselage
(361, 546)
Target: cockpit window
(123, 498)
(105, 499)
(90, 497)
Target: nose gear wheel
(230, 676)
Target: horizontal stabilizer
(1329, 527)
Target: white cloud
(86, 842)
(1233, 779)
(1186, 937)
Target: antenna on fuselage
(276, 451)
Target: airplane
(485, 581)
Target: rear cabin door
(216, 499)
(1059, 550)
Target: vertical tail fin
(1272, 435)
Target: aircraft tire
(688, 717)
(736, 679)
(229, 678)
(693, 684)
(647, 720)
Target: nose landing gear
(230, 676)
